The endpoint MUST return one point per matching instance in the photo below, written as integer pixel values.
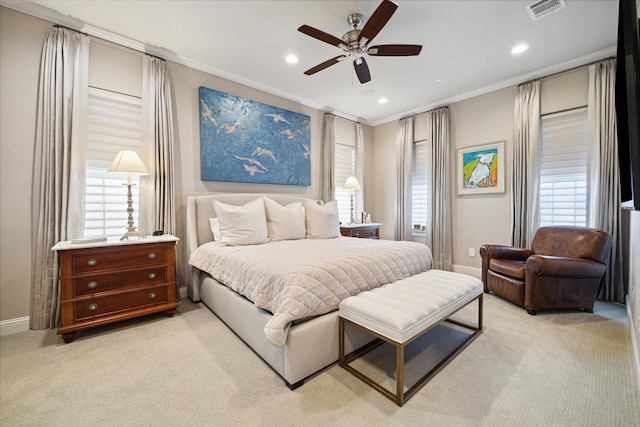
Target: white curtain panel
(157, 195)
(438, 233)
(360, 195)
(404, 155)
(603, 174)
(328, 165)
(524, 169)
(59, 166)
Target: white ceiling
(465, 43)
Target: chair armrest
(544, 265)
(505, 252)
(487, 252)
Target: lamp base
(131, 230)
(354, 221)
(132, 233)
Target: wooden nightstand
(109, 281)
(363, 231)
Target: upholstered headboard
(200, 209)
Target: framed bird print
(246, 141)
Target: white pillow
(215, 229)
(322, 221)
(284, 222)
(242, 225)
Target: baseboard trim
(21, 324)
(12, 326)
(471, 271)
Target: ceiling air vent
(544, 7)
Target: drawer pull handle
(152, 255)
(152, 275)
(93, 307)
(152, 295)
(92, 262)
(92, 284)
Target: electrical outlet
(472, 252)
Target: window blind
(345, 166)
(419, 189)
(114, 124)
(563, 168)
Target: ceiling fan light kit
(355, 43)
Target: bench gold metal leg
(400, 397)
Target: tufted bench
(401, 312)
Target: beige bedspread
(295, 279)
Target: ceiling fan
(355, 43)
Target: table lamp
(128, 163)
(352, 185)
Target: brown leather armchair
(562, 270)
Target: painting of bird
(277, 118)
(230, 128)
(242, 140)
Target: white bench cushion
(403, 309)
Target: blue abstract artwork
(246, 141)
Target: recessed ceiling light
(519, 49)
(291, 59)
(439, 80)
(383, 100)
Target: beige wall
(634, 283)
(382, 200)
(476, 219)
(21, 39)
(119, 69)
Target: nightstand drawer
(116, 258)
(362, 231)
(96, 283)
(365, 233)
(110, 304)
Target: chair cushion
(508, 267)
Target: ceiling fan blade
(326, 64)
(362, 70)
(378, 20)
(395, 50)
(320, 35)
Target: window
(419, 189)
(345, 159)
(114, 124)
(563, 168)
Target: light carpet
(553, 369)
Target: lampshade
(351, 184)
(128, 163)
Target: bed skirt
(311, 345)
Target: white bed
(309, 345)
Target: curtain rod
(344, 118)
(109, 41)
(568, 70)
(422, 112)
(70, 29)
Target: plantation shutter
(345, 160)
(563, 168)
(419, 193)
(114, 124)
